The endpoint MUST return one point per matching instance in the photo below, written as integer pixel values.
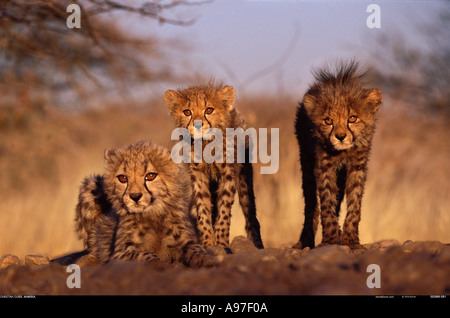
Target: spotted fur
(138, 210)
(334, 125)
(214, 184)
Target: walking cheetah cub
(334, 125)
(138, 210)
(214, 184)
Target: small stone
(292, 252)
(268, 258)
(36, 260)
(242, 268)
(241, 243)
(429, 246)
(216, 253)
(333, 248)
(287, 246)
(383, 244)
(9, 259)
(328, 253)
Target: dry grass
(43, 162)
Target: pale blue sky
(235, 40)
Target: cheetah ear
(309, 101)
(228, 95)
(373, 98)
(171, 99)
(110, 155)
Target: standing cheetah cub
(334, 125)
(138, 210)
(214, 184)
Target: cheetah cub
(334, 125)
(214, 184)
(138, 210)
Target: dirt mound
(411, 268)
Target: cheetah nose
(135, 196)
(341, 137)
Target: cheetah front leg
(181, 244)
(125, 246)
(196, 256)
(225, 198)
(130, 253)
(327, 192)
(202, 204)
(354, 191)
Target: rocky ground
(411, 268)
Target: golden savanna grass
(44, 159)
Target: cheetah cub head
(142, 178)
(341, 108)
(210, 105)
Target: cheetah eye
(122, 178)
(209, 110)
(328, 121)
(150, 176)
(352, 119)
(187, 112)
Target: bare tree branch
(416, 78)
(275, 66)
(278, 63)
(34, 38)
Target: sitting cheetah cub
(214, 184)
(138, 210)
(335, 124)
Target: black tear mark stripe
(190, 119)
